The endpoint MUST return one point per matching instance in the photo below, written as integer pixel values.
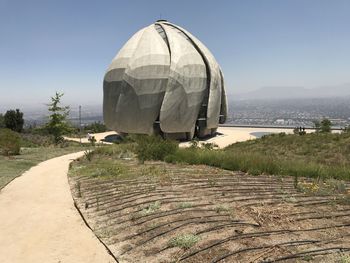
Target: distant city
(290, 112)
(282, 112)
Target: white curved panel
(214, 101)
(150, 61)
(142, 84)
(121, 60)
(186, 85)
(112, 83)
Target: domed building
(164, 81)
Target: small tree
(13, 119)
(326, 125)
(317, 126)
(57, 125)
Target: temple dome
(164, 81)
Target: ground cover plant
(153, 211)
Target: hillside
(312, 155)
(154, 211)
(320, 148)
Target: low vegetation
(185, 241)
(95, 127)
(10, 143)
(318, 155)
(153, 147)
(185, 205)
(150, 209)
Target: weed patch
(327, 187)
(344, 259)
(185, 241)
(150, 209)
(185, 205)
(221, 208)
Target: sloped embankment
(158, 212)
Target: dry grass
(13, 166)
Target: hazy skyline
(67, 45)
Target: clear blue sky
(66, 45)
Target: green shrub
(13, 120)
(10, 142)
(154, 147)
(326, 125)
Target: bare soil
(238, 217)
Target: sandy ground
(98, 137)
(38, 220)
(228, 135)
(231, 135)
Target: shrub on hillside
(257, 163)
(95, 127)
(154, 147)
(36, 140)
(323, 126)
(326, 125)
(2, 121)
(10, 142)
(13, 119)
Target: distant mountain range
(294, 93)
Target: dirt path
(38, 220)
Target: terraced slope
(157, 212)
